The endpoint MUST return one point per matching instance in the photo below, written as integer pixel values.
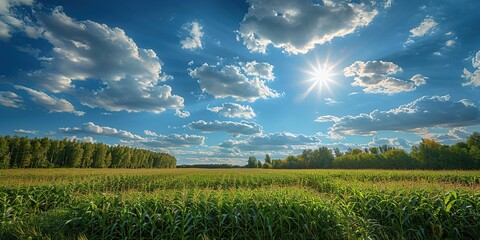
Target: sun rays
(319, 77)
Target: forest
(428, 154)
(22, 152)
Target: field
(238, 204)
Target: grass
(238, 204)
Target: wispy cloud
(50, 103)
(10, 99)
(23, 131)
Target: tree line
(428, 154)
(22, 152)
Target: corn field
(238, 204)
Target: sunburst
(320, 77)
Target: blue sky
(218, 81)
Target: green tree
(4, 153)
(337, 152)
(25, 155)
(268, 159)
(99, 156)
(86, 161)
(474, 140)
(398, 159)
(252, 162)
(267, 165)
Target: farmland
(238, 204)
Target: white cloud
(10, 20)
(230, 81)
(235, 128)
(50, 103)
(473, 78)
(23, 131)
(262, 70)
(450, 43)
(426, 27)
(90, 128)
(182, 114)
(272, 141)
(375, 77)
(330, 101)
(397, 142)
(297, 26)
(234, 110)
(86, 139)
(94, 52)
(327, 118)
(149, 133)
(453, 135)
(10, 99)
(173, 140)
(425, 112)
(194, 41)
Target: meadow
(238, 204)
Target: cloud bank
(425, 112)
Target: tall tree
(4, 153)
(268, 159)
(25, 156)
(252, 162)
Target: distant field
(238, 204)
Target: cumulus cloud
(397, 142)
(90, 128)
(50, 103)
(194, 41)
(427, 26)
(23, 131)
(425, 112)
(97, 54)
(453, 135)
(473, 79)
(182, 114)
(375, 77)
(86, 139)
(234, 110)
(262, 70)
(246, 83)
(235, 128)
(296, 26)
(272, 141)
(10, 99)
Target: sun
(319, 77)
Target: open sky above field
(218, 81)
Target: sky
(217, 81)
